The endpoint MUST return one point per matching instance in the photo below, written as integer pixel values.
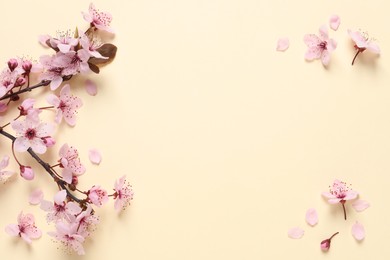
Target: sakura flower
(66, 105)
(66, 233)
(319, 47)
(64, 41)
(27, 106)
(123, 193)
(29, 133)
(87, 221)
(25, 228)
(5, 175)
(358, 231)
(91, 45)
(363, 42)
(69, 160)
(53, 71)
(36, 197)
(74, 62)
(7, 81)
(97, 195)
(296, 233)
(283, 44)
(60, 209)
(325, 244)
(100, 20)
(340, 193)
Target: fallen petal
(360, 205)
(95, 156)
(334, 22)
(311, 217)
(90, 87)
(36, 197)
(295, 233)
(358, 231)
(283, 44)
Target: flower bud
(26, 172)
(325, 245)
(26, 66)
(12, 64)
(49, 141)
(20, 82)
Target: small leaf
(358, 231)
(93, 67)
(295, 233)
(311, 217)
(106, 50)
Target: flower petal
(334, 22)
(360, 205)
(94, 156)
(283, 44)
(358, 231)
(295, 233)
(12, 230)
(311, 217)
(36, 197)
(91, 87)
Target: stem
(40, 84)
(333, 235)
(47, 168)
(345, 212)
(354, 58)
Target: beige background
(226, 141)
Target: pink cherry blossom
(69, 160)
(74, 62)
(5, 175)
(311, 217)
(60, 209)
(283, 44)
(363, 42)
(94, 156)
(27, 172)
(100, 20)
(319, 47)
(358, 231)
(64, 41)
(66, 105)
(7, 80)
(25, 228)
(53, 70)
(123, 193)
(27, 107)
(66, 233)
(29, 133)
(339, 192)
(91, 87)
(91, 46)
(87, 221)
(296, 233)
(334, 22)
(97, 195)
(36, 197)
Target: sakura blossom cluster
(339, 192)
(71, 210)
(321, 46)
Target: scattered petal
(283, 44)
(360, 205)
(311, 217)
(91, 87)
(334, 22)
(95, 156)
(295, 233)
(358, 231)
(36, 197)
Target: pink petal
(12, 230)
(360, 205)
(36, 197)
(91, 87)
(358, 231)
(60, 197)
(95, 156)
(295, 233)
(311, 217)
(283, 44)
(334, 22)
(43, 39)
(373, 47)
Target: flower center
(30, 133)
(322, 45)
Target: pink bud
(325, 245)
(27, 65)
(12, 64)
(49, 141)
(26, 172)
(20, 82)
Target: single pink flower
(358, 231)
(25, 228)
(97, 195)
(65, 42)
(325, 244)
(27, 106)
(5, 175)
(29, 133)
(60, 209)
(100, 20)
(319, 47)
(67, 234)
(27, 172)
(87, 221)
(66, 105)
(91, 46)
(74, 62)
(340, 193)
(7, 80)
(123, 193)
(363, 42)
(69, 160)
(53, 70)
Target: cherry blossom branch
(48, 169)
